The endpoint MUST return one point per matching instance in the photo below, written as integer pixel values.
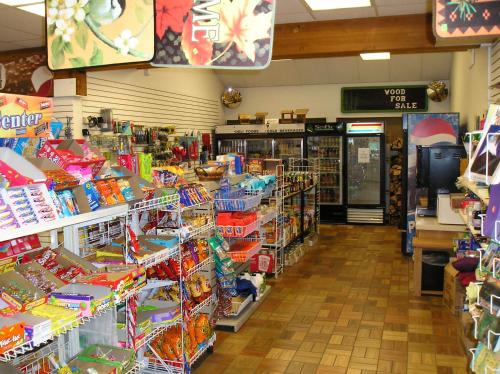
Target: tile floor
(346, 307)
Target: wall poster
(424, 129)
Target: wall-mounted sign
(261, 129)
(365, 128)
(384, 99)
(456, 19)
(25, 116)
(215, 34)
(26, 74)
(84, 33)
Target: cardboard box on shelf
(47, 166)
(453, 292)
(14, 279)
(17, 170)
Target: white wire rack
(159, 257)
(156, 331)
(165, 203)
(204, 304)
(201, 266)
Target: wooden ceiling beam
(395, 34)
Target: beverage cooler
(325, 141)
(283, 141)
(365, 174)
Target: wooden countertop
(431, 224)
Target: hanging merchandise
(145, 164)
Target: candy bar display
(19, 293)
(194, 194)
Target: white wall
(186, 98)
(469, 85)
(321, 100)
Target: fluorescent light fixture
(376, 56)
(38, 9)
(337, 4)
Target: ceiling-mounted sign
(466, 18)
(25, 116)
(215, 34)
(82, 33)
(384, 99)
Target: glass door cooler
(325, 142)
(365, 173)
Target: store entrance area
(344, 311)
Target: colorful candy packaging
(116, 190)
(93, 196)
(126, 189)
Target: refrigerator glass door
(329, 150)
(259, 148)
(231, 146)
(363, 170)
(288, 148)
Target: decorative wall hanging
(216, 34)
(26, 74)
(466, 18)
(83, 33)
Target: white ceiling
(19, 29)
(338, 70)
(289, 11)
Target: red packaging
(262, 263)
(22, 103)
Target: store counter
(430, 235)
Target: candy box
(160, 312)
(39, 276)
(57, 177)
(11, 333)
(20, 293)
(118, 358)
(17, 170)
(86, 299)
(78, 366)
(65, 153)
(18, 246)
(36, 329)
(7, 264)
(61, 318)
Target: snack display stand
(302, 209)
(479, 318)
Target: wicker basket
(210, 173)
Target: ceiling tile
(33, 43)
(373, 71)
(293, 18)
(345, 14)
(400, 2)
(290, 6)
(23, 21)
(405, 68)
(403, 9)
(311, 71)
(436, 65)
(342, 69)
(11, 35)
(9, 46)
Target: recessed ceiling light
(337, 4)
(38, 9)
(376, 56)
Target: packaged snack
(126, 189)
(107, 195)
(93, 196)
(116, 190)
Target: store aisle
(346, 307)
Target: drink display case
(325, 143)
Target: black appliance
(438, 168)
(325, 142)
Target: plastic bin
(433, 264)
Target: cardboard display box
(44, 164)
(14, 278)
(453, 292)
